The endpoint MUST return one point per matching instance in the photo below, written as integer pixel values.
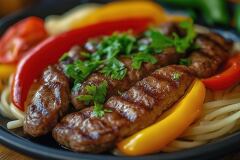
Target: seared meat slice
(134, 110)
(225, 44)
(214, 50)
(169, 56)
(48, 101)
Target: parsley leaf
(99, 111)
(176, 76)
(111, 46)
(161, 41)
(79, 70)
(115, 69)
(185, 61)
(97, 94)
(139, 58)
(182, 44)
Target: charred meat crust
(48, 101)
(134, 110)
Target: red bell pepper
(228, 77)
(20, 38)
(49, 51)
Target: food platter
(46, 147)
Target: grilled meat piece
(214, 50)
(134, 110)
(221, 41)
(169, 56)
(48, 101)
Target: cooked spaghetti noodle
(220, 117)
(8, 110)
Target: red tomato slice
(20, 38)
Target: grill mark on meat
(49, 102)
(130, 110)
(127, 116)
(212, 53)
(114, 86)
(219, 40)
(137, 95)
(211, 48)
(49, 98)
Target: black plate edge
(212, 150)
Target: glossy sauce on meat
(48, 101)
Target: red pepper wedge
(20, 38)
(228, 77)
(50, 50)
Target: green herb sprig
(161, 41)
(97, 95)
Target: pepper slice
(121, 10)
(49, 52)
(170, 125)
(6, 70)
(20, 38)
(228, 77)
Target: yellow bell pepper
(128, 9)
(111, 11)
(1, 86)
(59, 24)
(6, 70)
(170, 125)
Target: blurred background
(10, 6)
(225, 13)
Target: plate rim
(211, 150)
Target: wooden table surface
(8, 154)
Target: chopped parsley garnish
(176, 76)
(182, 44)
(105, 60)
(117, 43)
(79, 70)
(114, 69)
(99, 111)
(97, 94)
(139, 58)
(161, 41)
(185, 61)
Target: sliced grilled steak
(48, 101)
(134, 110)
(169, 56)
(214, 50)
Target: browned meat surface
(225, 44)
(213, 52)
(48, 101)
(115, 86)
(134, 110)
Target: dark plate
(46, 148)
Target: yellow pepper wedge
(128, 9)
(170, 125)
(1, 86)
(6, 70)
